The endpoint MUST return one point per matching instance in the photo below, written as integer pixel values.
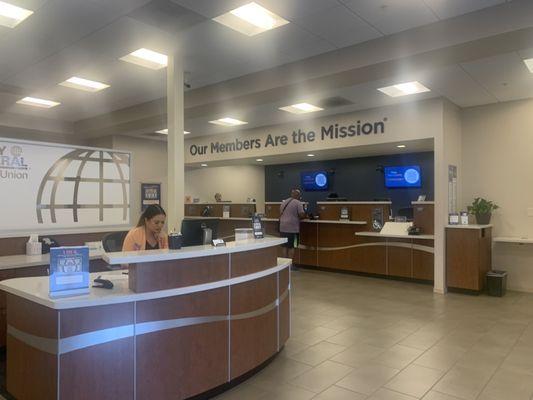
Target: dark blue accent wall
(355, 178)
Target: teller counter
(352, 245)
(182, 323)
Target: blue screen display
(314, 180)
(402, 176)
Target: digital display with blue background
(402, 176)
(314, 180)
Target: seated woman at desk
(148, 234)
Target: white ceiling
(87, 37)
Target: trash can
(496, 283)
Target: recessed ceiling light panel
(11, 15)
(401, 146)
(529, 64)
(227, 121)
(84, 84)
(36, 102)
(310, 155)
(301, 108)
(251, 19)
(404, 89)
(147, 58)
(162, 131)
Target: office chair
(113, 241)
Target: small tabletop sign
(69, 271)
(257, 224)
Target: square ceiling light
(147, 58)
(301, 108)
(251, 19)
(34, 101)
(11, 15)
(84, 84)
(529, 64)
(227, 121)
(404, 89)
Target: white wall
(235, 183)
(498, 165)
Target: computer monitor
(193, 230)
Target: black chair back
(113, 241)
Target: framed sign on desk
(150, 194)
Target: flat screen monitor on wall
(314, 180)
(403, 177)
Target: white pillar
(175, 145)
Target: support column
(175, 145)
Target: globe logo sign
(321, 180)
(411, 176)
(88, 185)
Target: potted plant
(482, 209)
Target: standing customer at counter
(291, 212)
(148, 234)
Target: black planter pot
(483, 219)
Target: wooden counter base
(174, 347)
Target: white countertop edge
(279, 202)
(65, 231)
(512, 239)
(113, 297)
(471, 226)
(423, 202)
(232, 218)
(414, 237)
(328, 221)
(24, 261)
(354, 202)
(133, 257)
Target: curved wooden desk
(182, 323)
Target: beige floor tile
(398, 356)
(350, 336)
(508, 385)
(286, 392)
(432, 395)
(243, 392)
(414, 380)
(322, 376)
(421, 340)
(318, 353)
(440, 357)
(520, 359)
(338, 393)
(293, 346)
(465, 383)
(284, 369)
(367, 380)
(358, 355)
(480, 360)
(385, 394)
(314, 335)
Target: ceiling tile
(391, 16)
(506, 76)
(452, 8)
(339, 26)
(458, 86)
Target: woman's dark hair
(150, 212)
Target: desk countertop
(36, 289)
(414, 237)
(133, 257)
(23, 261)
(328, 221)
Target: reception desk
(182, 323)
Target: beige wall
(498, 165)
(149, 166)
(235, 183)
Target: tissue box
(34, 248)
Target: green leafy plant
(482, 206)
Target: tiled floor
(357, 338)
